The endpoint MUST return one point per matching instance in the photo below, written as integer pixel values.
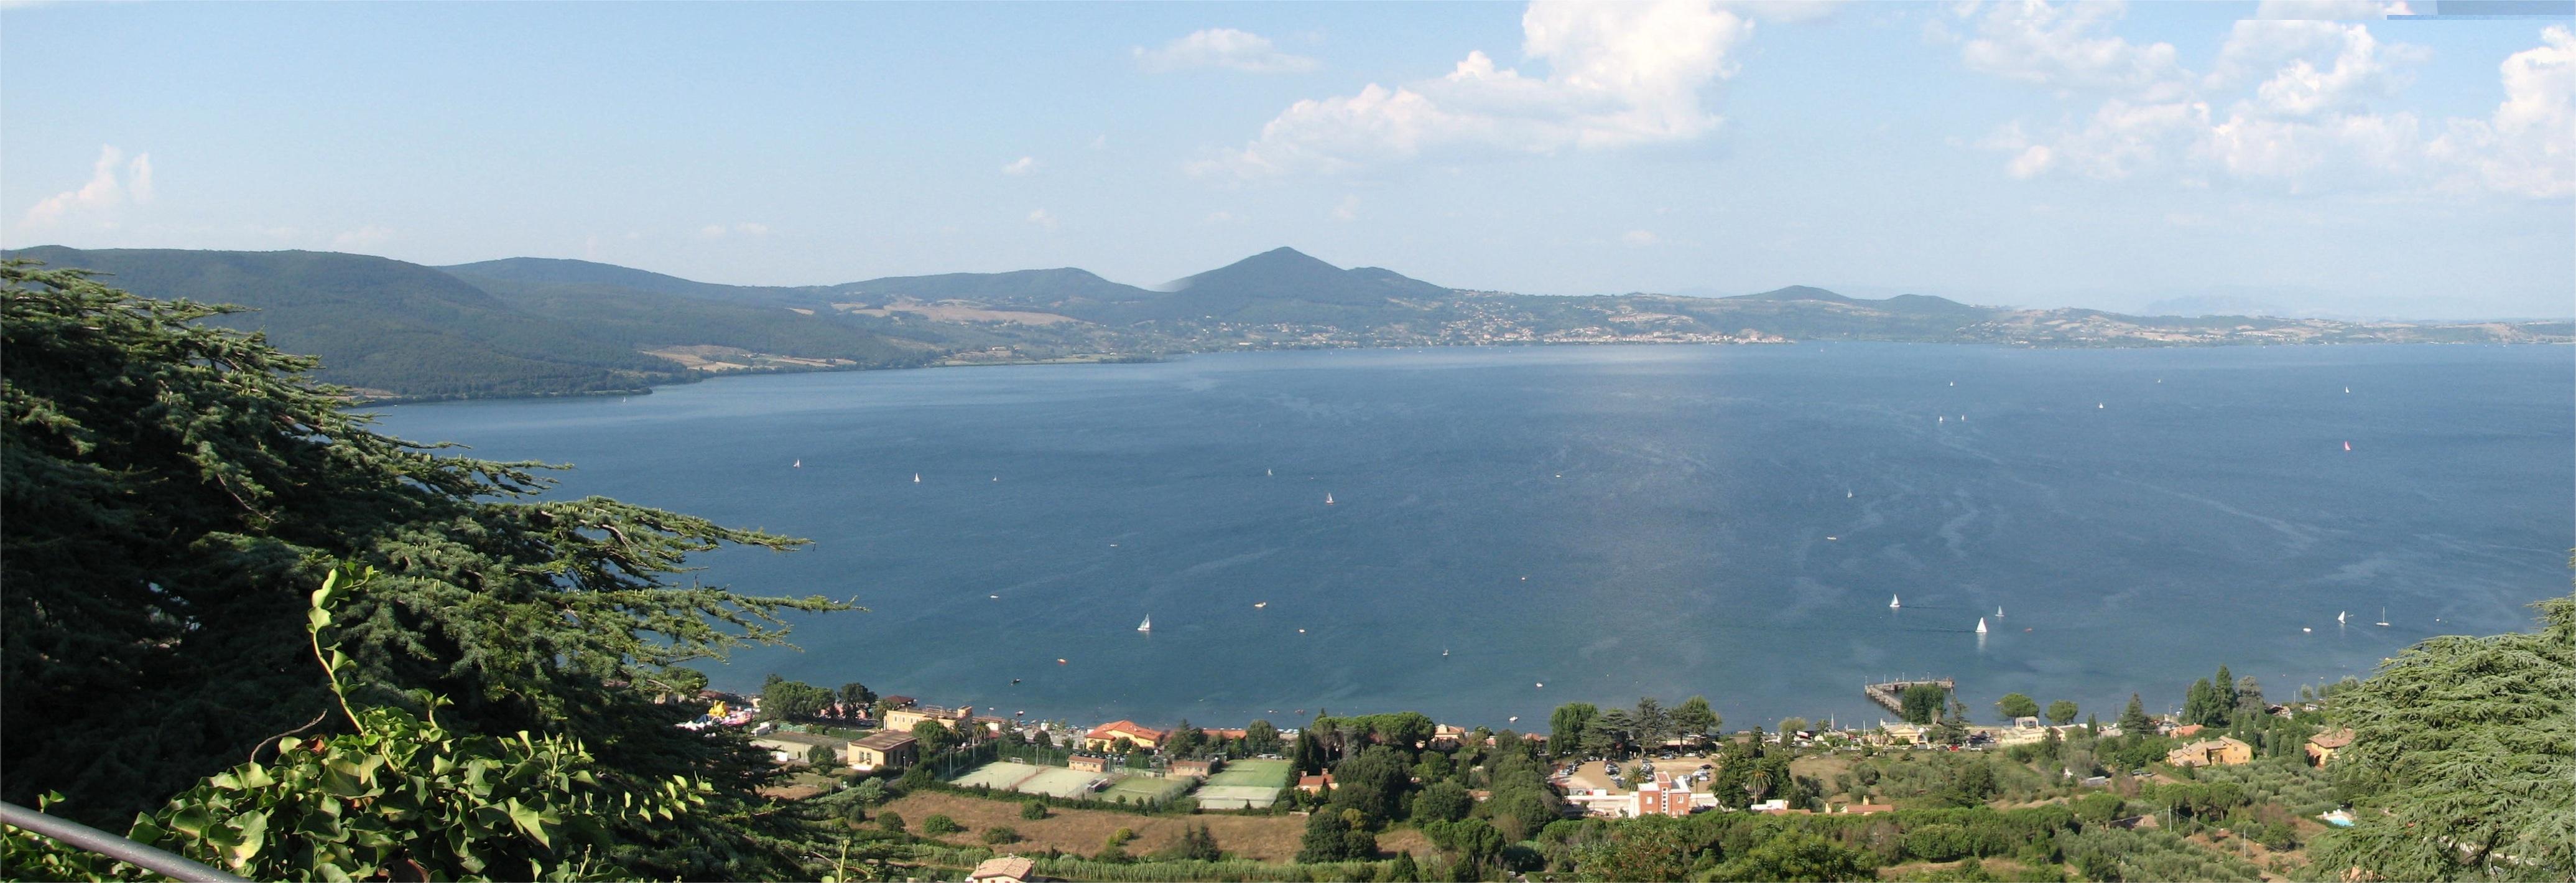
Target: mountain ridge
(535, 326)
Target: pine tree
(2133, 720)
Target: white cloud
(1041, 218)
(1618, 74)
(1021, 166)
(1640, 238)
(1225, 48)
(2067, 47)
(1348, 210)
(2329, 10)
(2528, 147)
(748, 228)
(367, 236)
(138, 177)
(2297, 104)
(113, 181)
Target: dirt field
(1265, 838)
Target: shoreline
(1154, 358)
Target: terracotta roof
(1115, 729)
(2186, 731)
(1219, 733)
(2336, 739)
(1012, 866)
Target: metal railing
(84, 837)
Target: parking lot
(1591, 774)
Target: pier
(1891, 694)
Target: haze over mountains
(538, 326)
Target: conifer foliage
(2463, 760)
(171, 492)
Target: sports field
(999, 776)
(1059, 782)
(1254, 773)
(1140, 789)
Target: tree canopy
(172, 489)
(2463, 759)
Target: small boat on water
(1981, 625)
(2347, 446)
(800, 464)
(916, 478)
(2383, 618)
(2339, 617)
(1891, 603)
(1328, 499)
(1999, 611)
(1146, 626)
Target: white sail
(1328, 499)
(1999, 611)
(1891, 602)
(1981, 625)
(2339, 617)
(2383, 617)
(916, 478)
(1146, 626)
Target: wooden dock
(1892, 693)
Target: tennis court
(1253, 773)
(1237, 797)
(1058, 782)
(998, 775)
(1141, 789)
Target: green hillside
(378, 323)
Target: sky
(2317, 158)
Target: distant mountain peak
(1797, 292)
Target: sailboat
(1146, 626)
(1266, 473)
(1444, 651)
(2347, 446)
(2383, 618)
(1891, 603)
(1846, 495)
(1981, 625)
(1328, 499)
(799, 464)
(2338, 617)
(916, 478)
(1999, 611)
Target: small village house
(883, 750)
(1102, 737)
(1195, 766)
(1006, 869)
(902, 720)
(797, 748)
(1315, 784)
(2322, 746)
(2222, 751)
(1088, 763)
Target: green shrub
(999, 835)
(939, 824)
(1033, 810)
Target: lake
(1514, 528)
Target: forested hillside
(378, 323)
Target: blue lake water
(1606, 521)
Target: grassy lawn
(1254, 773)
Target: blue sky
(2301, 156)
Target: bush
(1001, 835)
(1033, 810)
(890, 820)
(939, 824)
